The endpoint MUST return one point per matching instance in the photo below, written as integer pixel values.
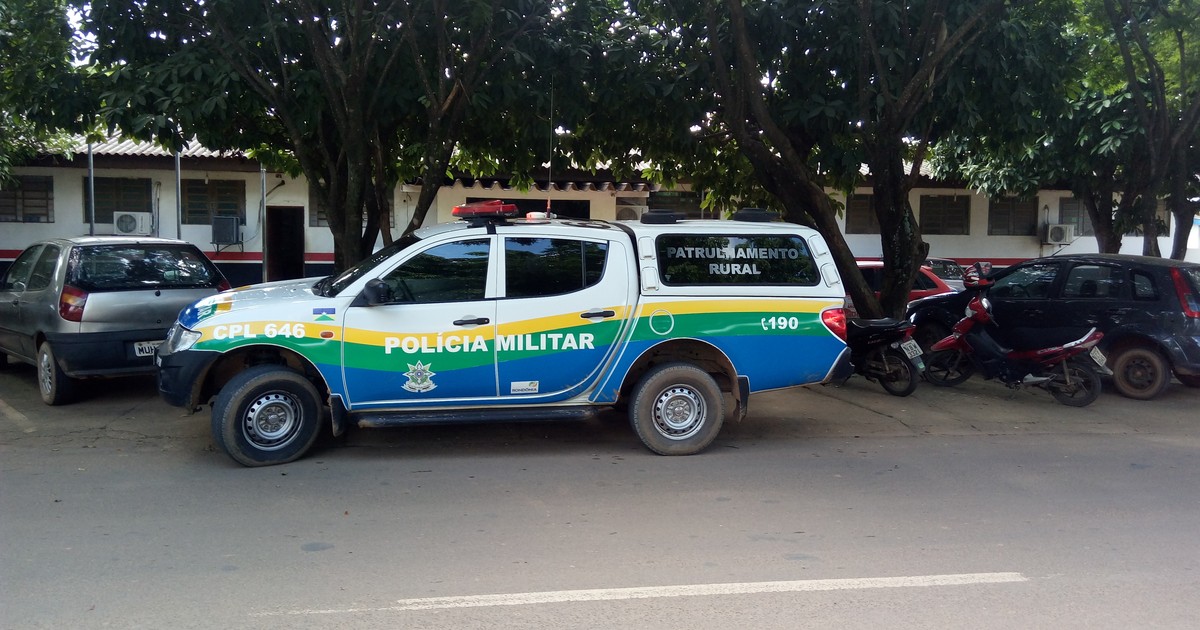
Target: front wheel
(947, 368)
(899, 376)
(266, 415)
(677, 409)
(1076, 385)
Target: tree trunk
(899, 233)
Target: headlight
(179, 339)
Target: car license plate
(1098, 356)
(911, 349)
(144, 348)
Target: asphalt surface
(975, 506)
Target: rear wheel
(1082, 389)
(266, 415)
(947, 368)
(1139, 372)
(677, 409)
(55, 386)
(900, 376)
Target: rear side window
(43, 270)
(705, 259)
(1092, 281)
(537, 267)
(1143, 286)
(140, 266)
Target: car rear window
(758, 259)
(132, 267)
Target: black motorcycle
(883, 350)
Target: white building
(261, 225)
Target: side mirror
(377, 292)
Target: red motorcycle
(1070, 372)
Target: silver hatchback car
(97, 306)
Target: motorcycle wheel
(900, 376)
(947, 368)
(1084, 388)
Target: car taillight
(1187, 298)
(71, 303)
(835, 320)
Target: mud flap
(741, 398)
(337, 412)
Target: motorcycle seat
(869, 324)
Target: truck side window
(717, 259)
(451, 272)
(537, 267)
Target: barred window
(860, 215)
(1012, 216)
(117, 193)
(205, 199)
(945, 214)
(1072, 211)
(31, 200)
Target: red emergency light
(494, 209)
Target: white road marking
(16, 417)
(687, 590)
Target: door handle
(478, 321)
(595, 314)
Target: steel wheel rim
(1140, 374)
(45, 373)
(679, 412)
(272, 421)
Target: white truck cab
(495, 318)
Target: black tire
(1139, 372)
(900, 376)
(1084, 388)
(55, 386)
(947, 368)
(677, 409)
(1191, 380)
(266, 415)
(929, 333)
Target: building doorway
(283, 244)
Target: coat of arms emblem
(420, 378)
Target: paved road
(829, 507)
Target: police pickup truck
(498, 318)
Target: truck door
(564, 304)
(433, 340)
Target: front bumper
(181, 375)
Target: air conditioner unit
(132, 223)
(631, 213)
(1060, 234)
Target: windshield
(333, 285)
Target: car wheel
(677, 409)
(1191, 380)
(928, 334)
(1139, 372)
(266, 415)
(55, 386)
